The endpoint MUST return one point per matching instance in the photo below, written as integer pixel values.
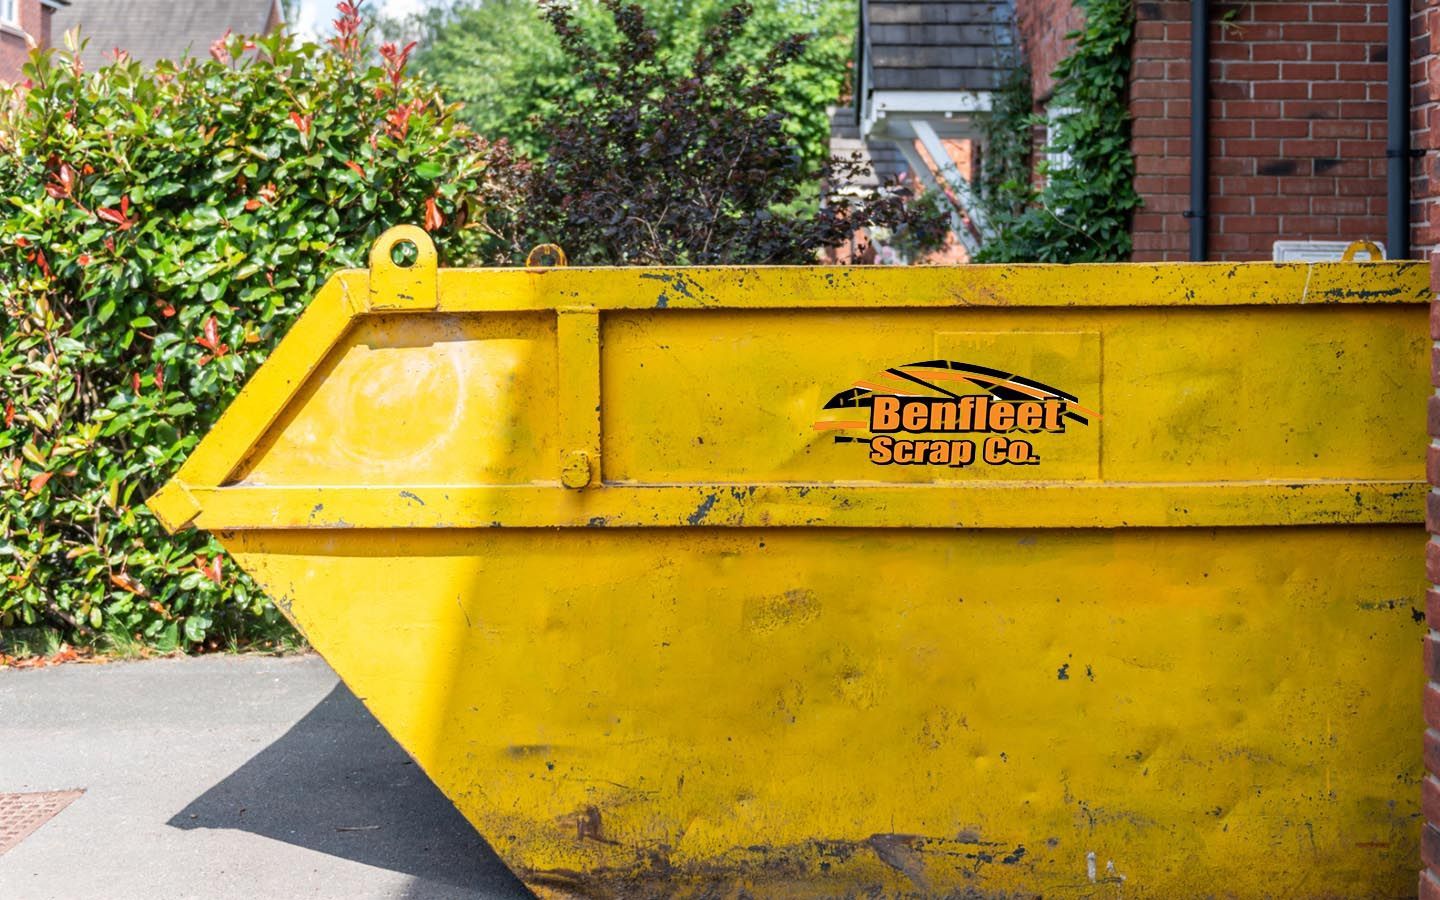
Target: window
(1057, 159)
(10, 13)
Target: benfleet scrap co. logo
(939, 398)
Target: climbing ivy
(1005, 174)
(1081, 210)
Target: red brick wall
(1297, 125)
(35, 21)
(1297, 120)
(45, 36)
(1160, 132)
(1043, 25)
(12, 55)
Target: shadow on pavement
(336, 783)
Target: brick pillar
(1425, 126)
(1425, 234)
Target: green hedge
(159, 230)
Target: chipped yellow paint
(586, 543)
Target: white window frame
(1057, 160)
(10, 13)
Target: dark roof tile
(939, 45)
(935, 35)
(937, 79)
(158, 29)
(955, 12)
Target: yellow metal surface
(979, 581)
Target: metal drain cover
(21, 814)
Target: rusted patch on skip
(793, 607)
(702, 510)
(810, 869)
(528, 751)
(22, 814)
(588, 826)
(901, 852)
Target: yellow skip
(632, 562)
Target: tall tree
(501, 59)
(691, 164)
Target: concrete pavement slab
(225, 777)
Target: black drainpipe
(1200, 127)
(1397, 149)
(857, 82)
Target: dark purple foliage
(652, 168)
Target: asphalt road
(225, 777)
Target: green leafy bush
(690, 163)
(508, 66)
(159, 230)
(1007, 133)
